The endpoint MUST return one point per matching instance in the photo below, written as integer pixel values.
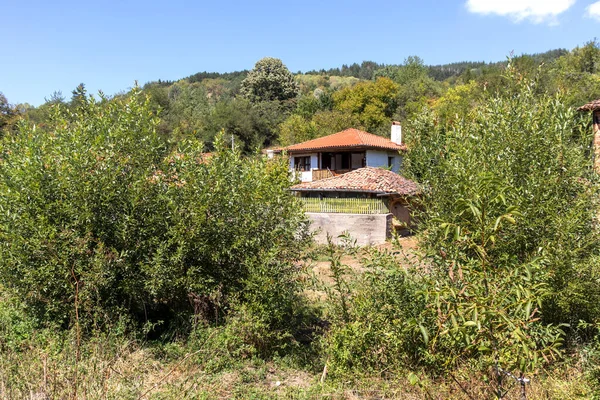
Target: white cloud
(536, 11)
(593, 10)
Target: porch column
(597, 139)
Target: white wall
(379, 159)
(305, 176)
(397, 162)
(375, 158)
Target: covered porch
(330, 164)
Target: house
(367, 203)
(345, 151)
(594, 107)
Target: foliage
(458, 102)
(269, 80)
(373, 103)
(8, 116)
(308, 105)
(185, 108)
(487, 302)
(296, 129)
(365, 70)
(253, 125)
(374, 315)
(329, 122)
(16, 327)
(415, 87)
(104, 217)
(591, 359)
(519, 157)
(113, 219)
(577, 74)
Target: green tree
(459, 101)
(577, 74)
(8, 115)
(413, 69)
(106, 218)
(78, 95)
(269, 80)
(373, 103)
(295, 129)
(488, 303)
(253, 125)
(329, 122)
(415, 87)
(188, 108)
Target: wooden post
(596, 120)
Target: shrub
(102, 217)
(508, 227)
(540, 150)
(375, 316)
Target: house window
(345, 160)
(326, 163)
(391, 161)
(302, 163)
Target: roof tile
(592, 105)
(347, 138)
(368, 179)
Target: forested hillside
(367, 95)
(135, 265)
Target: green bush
(508, 224)
(15, 326)
(102, 217)
(540, 150)
(375, 316)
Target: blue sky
(49, 46)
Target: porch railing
(344, 205)
(318, 174)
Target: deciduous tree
(269, 80)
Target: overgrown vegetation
(103, 218)
(136, 265)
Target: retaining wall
(367, 229)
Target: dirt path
(320, 267)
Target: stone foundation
(366, 229)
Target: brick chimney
(396, 136)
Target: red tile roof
(368, 179)
(349, 138)
(593, 105)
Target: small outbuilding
(369, 203)
(594, 107)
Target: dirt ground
(405, 250)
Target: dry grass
(124, 370)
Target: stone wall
(367, 229)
